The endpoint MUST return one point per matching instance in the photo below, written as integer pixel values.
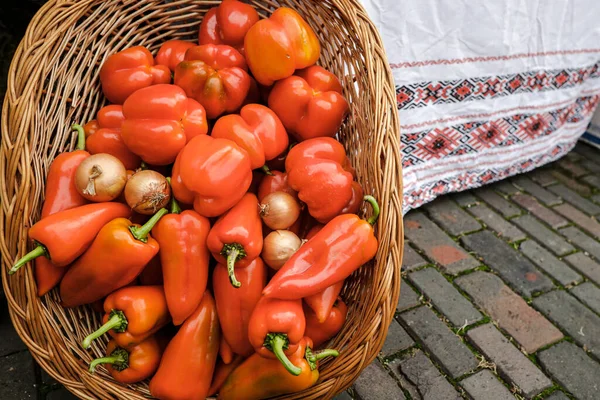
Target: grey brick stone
(536, 190)
(397, 340)
(572, 317)
(408, 297)
(17, 380)
(423, 378)
(438, 246)
(585, 265)
(535, 228)
(534, 207)
(585, 222)
(527, 326)
(575, 199)
(443, 345)
(511, 265)
(484, 384)
(572, 167)
(586, 150)
(549, 263)
(511, 364)
(411, 259)
(542, 176)
(580, 188)
(596, 198)
(445, 297)
(498, 202)
(465, 199)
(557, 396)
(63, 394)
(591, 166)
(593, 180)
(505, 187)
(588, 294)
(582, 240)
(573, 369)
(376, 384)
(573, 157)
(10, 341)
(451, 217)
(497, 223)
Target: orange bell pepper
(227, 24)
(215, 76)
(129, 70)
(172, 53)
(60, 195)
(235, 305)
(310, 104)
(159, 121)
(184, 257)
(337, 250)
(188, 363)
(321, 331)
(104, 136)
(116, 257)
(222, 371)
(67, 234)
(236, 238)
(132, 314)
(257, 130)
(260, 378)
(322, 302)
(212, 173)
(133, 364)
(276, 328)
(278, 46)
(275, 182)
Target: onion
(147, 191)
(278, 247)
(279, 210)
(100, 177)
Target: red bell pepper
(321, 331)
(257, 130)
(129, 70)
(277, 46)
(159, 121)
(227, 24)
(212, 173)
(337, 250)
(275, 182)
(322, 302)
(310, 104)
(172, 52)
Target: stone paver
(505, 187)
(574, 169)
(511, 364)
(536, 190)
(497, 223)
(453, 219)
(484, 386)
(585, 265)
(573, 369)
(498, 202)
(464, 199)
(572, 183)
(582, 240)
(572, 317)
(585, 222)
(376, 384)
(397, 340)
(556, 243)
(588, 294)
(542, 176)
(511, 265)
(411, 259)
(596, 198)
(437, 244)
(526, 325)
(445, 297)
(549, 263)
(557, 396)
(419, 372)
(17, 380)
(593, 180)
(586, 150)
(545, 214)
(575, 199)
(408, 297)
(443, 345)
(592, 167)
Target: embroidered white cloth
(487, 89)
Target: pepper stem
(312, 358)
(39, 250)
(142, 232)
(119, 358)
(371, 200)
(174, 207)
(231, 259)
(266, 170)
(277, 342)
(80, 136)
(117, 321)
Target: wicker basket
(53, 82)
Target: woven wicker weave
(53, 82)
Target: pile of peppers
(189, 301)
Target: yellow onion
(279, 210)
(100, 177)
(147, 191)
(278, 247)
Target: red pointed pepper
(172, 52)
(222, 371)
(227, 24)
(321, 331)
(322, 302)
(340, 248)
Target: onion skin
(100, 177)
(279, 210)
(278, 247)
(147, 191)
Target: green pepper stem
(117, 321)
(142, 232)
(232, 256)
(278, 342)
(118, 358)
(371, 200)
(266, 170)
(174, 207)
(39, 250)
(319, 355)
(80, 136)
